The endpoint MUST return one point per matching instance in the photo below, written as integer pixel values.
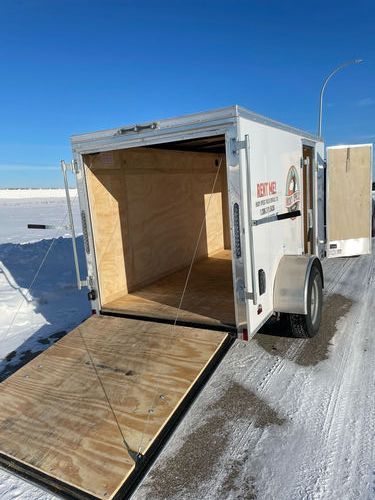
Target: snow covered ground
(19, 207)
(280, 419)
(39, 301)
(283, 418)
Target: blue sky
(78, 66)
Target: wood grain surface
(54, 415)
(147, 207)
(349, 200)
(209, 297)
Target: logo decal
(293, 198)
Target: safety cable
(151, 410)
(132, 454)
(197, 245)
(9, 278)
(37, 272)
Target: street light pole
(344, 65)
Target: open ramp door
(84, 415)
(349, 173)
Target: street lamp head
(344, 65)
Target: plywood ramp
(209, 297)
(54, 416)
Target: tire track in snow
(333, 407)
(333, 425)
(329, 483)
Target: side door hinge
(238, 145)
(249, 295)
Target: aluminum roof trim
(255, 117)
(165, 123)
(215, 117)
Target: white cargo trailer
(145, 190)
(196, 229)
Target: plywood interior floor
(54, 416)
(208, 299)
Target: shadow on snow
(53, 295)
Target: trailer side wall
(276, 188)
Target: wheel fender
(291, 283)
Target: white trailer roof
(209, 120)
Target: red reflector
(245, 335)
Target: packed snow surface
(20, 207)
(30, 194)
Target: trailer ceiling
(215, 144)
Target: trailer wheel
(307, 325)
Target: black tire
(307, 325)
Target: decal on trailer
(293, 193)
(266, 198)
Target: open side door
(348, 200)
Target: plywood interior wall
(105, 191)
(147, 206)
(349, 179)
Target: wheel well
(291, 283)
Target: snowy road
(284, 418)
(280, 419)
